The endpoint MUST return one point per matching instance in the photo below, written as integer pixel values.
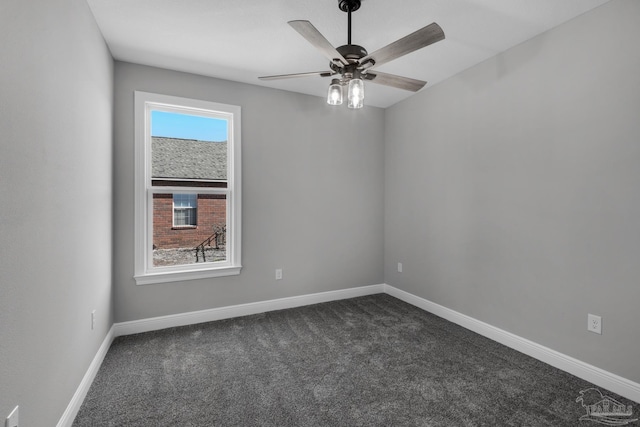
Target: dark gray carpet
(370, 361)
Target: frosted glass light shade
(334, 96)
(355, 93)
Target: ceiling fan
(352, 64)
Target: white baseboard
(78, 397)
(580, 369)
(193, 317)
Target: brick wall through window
(211, 217)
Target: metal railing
(218, 238)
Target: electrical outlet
(278, 274)
(12, 419)
(399, 267)
(594, 324)
(93, 320)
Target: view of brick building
(211, 218)
(185, 220)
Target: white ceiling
(242, 39)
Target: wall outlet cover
(594, 324)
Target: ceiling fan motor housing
(352, 53)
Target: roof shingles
(173, 158)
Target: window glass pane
(185, 210)
(185, 201)
(188, 148)
(178, 239)
(184, 217)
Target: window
(185, 209)
(187, 189)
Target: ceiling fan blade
(423, 37)
(392, 80)
(313, 36)
(292, 76)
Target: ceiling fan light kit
(353, 64)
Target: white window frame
(145, 272)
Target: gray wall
(56, 88)
(512, 190)
(312, 196)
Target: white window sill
(179, 276)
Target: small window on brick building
(187, 189)
(185, 210)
